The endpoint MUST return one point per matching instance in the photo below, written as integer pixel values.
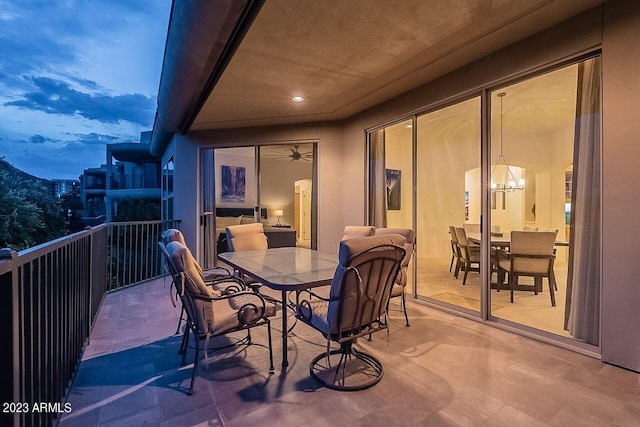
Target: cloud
(37, 139)
(47, 35)
(58, 97)
(64, 158)
(95, 138)
(75, 76)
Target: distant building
(93, 190)
(130, 173)
(61, 187)
(133, 173)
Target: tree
(138, 210)
(29, 214)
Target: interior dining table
(501, 240)
(285, 270)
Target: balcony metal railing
(49, 298)
(134, 181)
(133, 251)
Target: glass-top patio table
(284, 269)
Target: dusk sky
(74, 76)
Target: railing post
(9, 335)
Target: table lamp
(278, 213)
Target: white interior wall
(399, 156)
(472, 181)
(302, 186)
(278, 182)
(444, 156)
(241, 156)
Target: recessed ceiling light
(297, 99)
(409, 126)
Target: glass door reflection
(449, 201)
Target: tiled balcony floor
(443, 370)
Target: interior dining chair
(469, 255)
(400, 285)
(553, 230)
(356, 307)
(472, 228)
(530, 254)
(211, 313)
(455, 251)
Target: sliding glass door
(391, 180)
(286, 188)
(441, 190)
(229, 191)
(448, 201)
(545, 162)
(541, 181)
(271, 184)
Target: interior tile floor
(436, 282)
(444, 370)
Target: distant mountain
(16, 175)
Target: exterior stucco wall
(330, 186)
(621, 184)
(342, 151)
(186, 170)
(615, 27)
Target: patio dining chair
(212, 313)
(400, 285)
(246, 237)
(356, 307)
(224, 285)
(215, 276)
(249, 237)
(211, 274)
(355, 231)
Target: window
(167, 189)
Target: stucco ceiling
(346, 56)
(542, 104)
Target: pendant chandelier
(506, 181)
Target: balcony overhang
(201, 39)
(131, 152)
(225, 67)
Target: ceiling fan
(293, 154)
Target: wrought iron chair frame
(193, 324)
(388, 253)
